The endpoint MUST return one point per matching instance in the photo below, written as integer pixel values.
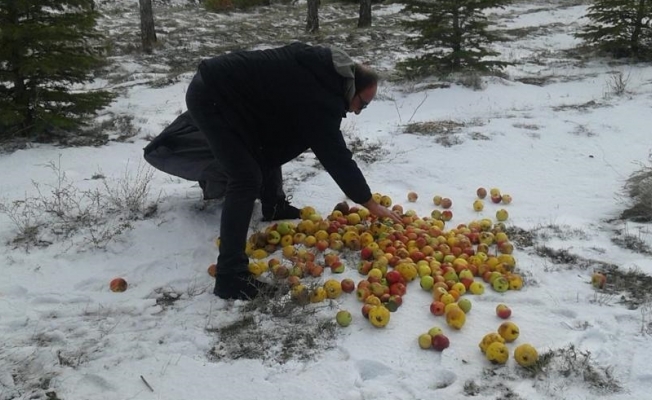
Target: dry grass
(639, 190)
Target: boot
(281, 210)
(240, 286)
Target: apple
(437, 308)
(500, 284)
(394, 302)
(494, 192)
(440, 342)
(273, 237)
(333, 288)
(526, 355)
(337, 267)
(465, 305)
(318, 294)
(379, 316)
(118, 285)
(212, 270)
(496, 199)
(503, 311)
(506, 248)
(481, 192)
(434, 331)
(476, 288)
(515, 282)
(342, 207)
(366, 308)
(386, 201)
(497, 353)
(412, 197)
(446, 215)
(507, 199)
(377, 288)
(343, 318)
(348, 285)
(437, 200)
(508, 331)
(397, 289)
(478, 205)
(598, 280)
(488, 339)
(425, 341)
(455, 318)
(446, 203)
(393, 276)
(427, 282)
(362, 293)
(502, 215)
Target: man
(259, 110)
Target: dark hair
(364, 77)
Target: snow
(564, 165)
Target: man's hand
(381, 212)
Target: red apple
(598, 280)
(440, 342)
(397, 289)
(503, 311)
(393, 276)
(437, 308)
(348, 285)
(118, 285)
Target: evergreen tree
(622, 28)
(454, 36)
(47, 49)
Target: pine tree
(454, 35)
(47, 50)
(622, 28)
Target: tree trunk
(147, 32)
(639, 23)
(365, 14)
(312, 23)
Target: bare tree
(147, 31)
(312, 23)
(365, 14)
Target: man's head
(366, 84)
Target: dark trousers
(244, 174)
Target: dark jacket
(282, 102)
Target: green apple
(502, 215)
(344, 318)
(426, 282)
(283, 228)
(434, 331)
(465, 305)
(500, 284)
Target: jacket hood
(345, 66)
(323, 61)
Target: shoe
(240, 286)
(281, 210)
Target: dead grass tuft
(275, 329)
(571, 366)
(638, 188)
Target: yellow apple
(526, 355)
(497, 353)
(508, 331)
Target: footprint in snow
(370, 369)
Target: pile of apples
(449, 262)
